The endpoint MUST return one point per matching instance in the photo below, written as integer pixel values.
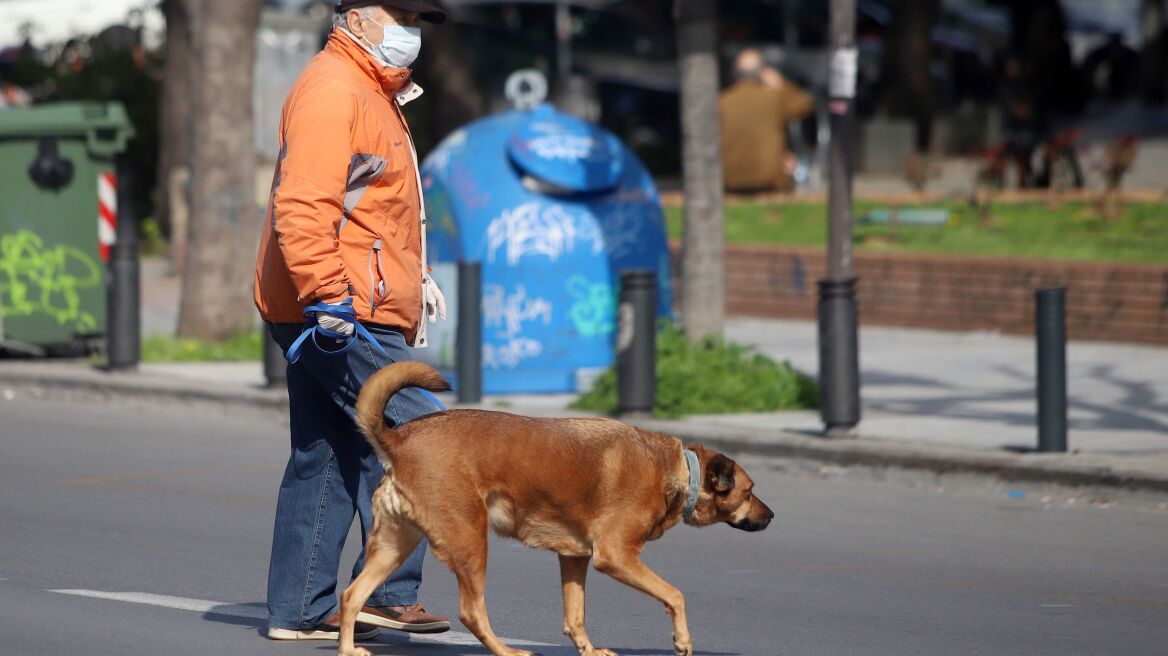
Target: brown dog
(583, 488)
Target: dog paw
(683, 649)
(604, 652)
(356, 651)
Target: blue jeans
(331, 476)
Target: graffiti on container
(571, 147)
(439, 159)
(509, 354)
(624, 228)
(505, 314)
(594, 311)
(534, 228)
(36, 278)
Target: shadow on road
(391, 643)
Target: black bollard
(469, 339)
(636, 342)
(275, 366)
(123, 302)
(839, 357)
(1050, 329)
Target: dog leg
(462, 545)
(472, 606)
(387, 548)
(573, 572)
(624, 564)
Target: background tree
(702, 275)
(216, 288)
(907, 83)
(175, 116)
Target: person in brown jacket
(754, 113)
(344, 247)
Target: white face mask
(399, 45)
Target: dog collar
(695, 480)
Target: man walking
(345, 233)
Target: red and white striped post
(107, 214)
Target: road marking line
(1054, 605)
(255, 611)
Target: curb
(1063, 469)
(1076, 470)
(134, 386)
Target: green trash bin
(58, 214)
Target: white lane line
(251, 611)
(180, 603)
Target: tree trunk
(703, 278)
(908, 85)
(216, 290)
(449, 77)
(1154, 53)
(174, 114)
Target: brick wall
(1118, 302)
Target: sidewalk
(935, 400)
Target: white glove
(435, 301)
(335, 324)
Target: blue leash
(344, 311)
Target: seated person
(754, 116)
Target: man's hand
(435, 301)
(335, 324)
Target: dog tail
(384, 384)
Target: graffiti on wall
(39, 279)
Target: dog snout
(756, 520)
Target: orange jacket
(345, 215)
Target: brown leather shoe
(328, 630)
(413, 619)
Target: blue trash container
(554, 208)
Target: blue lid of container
(566, 152)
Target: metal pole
(1050, 328)
(470, 332)
(636, 343)
(838, 343)
(275, 366)
(123, 328)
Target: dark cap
(428, 12)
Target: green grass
(1074, 231)
(242, 347)
(711, 377)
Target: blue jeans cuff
(406, 600)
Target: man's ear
(720, 473)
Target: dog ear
(720, 473)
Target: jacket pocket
(378, 285)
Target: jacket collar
(393, 82)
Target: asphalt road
(128, 529)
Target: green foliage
(153, 242)
(1073, 231)
(242, 347)
(712, 376)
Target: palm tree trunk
(216, 291)
(703, 278)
